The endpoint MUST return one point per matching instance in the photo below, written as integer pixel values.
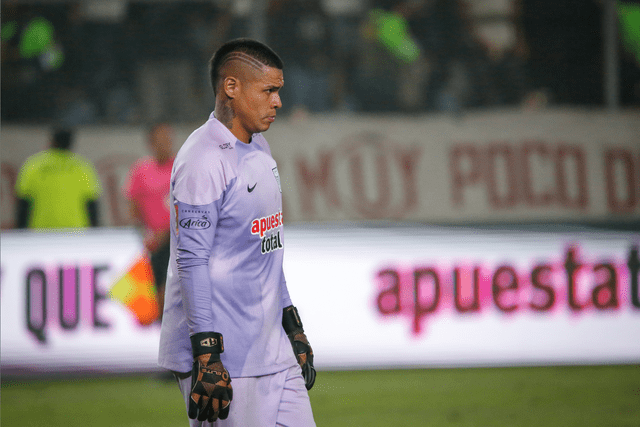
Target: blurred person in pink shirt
(147, 189)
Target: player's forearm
(194, 244)
(136, 214)
(195, 288)
(163, 237)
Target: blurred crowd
(117, 61)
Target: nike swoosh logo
(250, 189)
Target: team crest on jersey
(268, 228)
(277, 175)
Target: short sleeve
(201, 181)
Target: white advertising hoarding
(56, 309)
(465, 297)
(368, 297)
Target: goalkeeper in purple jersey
(230, 332)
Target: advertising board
(369, 297)
(495, 166)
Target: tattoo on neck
(226, 115)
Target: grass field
(537, 396)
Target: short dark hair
(253, 48)
(62, 138)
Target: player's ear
(230, 86)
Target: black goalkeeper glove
(304, 354)
(211, 390)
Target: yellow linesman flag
(136, 290)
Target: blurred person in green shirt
(57, 188)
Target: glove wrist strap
(206, 342)
(291, 320)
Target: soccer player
(147, 189)
(57, 188)
(229, 325)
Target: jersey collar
(217, 127)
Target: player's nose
(277, 102)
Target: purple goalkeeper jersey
(225, 271)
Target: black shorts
(159, 264)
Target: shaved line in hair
(244, 58)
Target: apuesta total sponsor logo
(268, 228)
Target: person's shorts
(280, 399)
